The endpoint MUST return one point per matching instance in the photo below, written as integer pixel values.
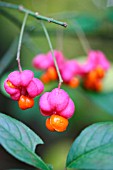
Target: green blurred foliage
(98, 26)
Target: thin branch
(54, 59)
(34, 14)
(20, 41)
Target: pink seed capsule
(56, 102)
(23, 83)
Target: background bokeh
(96, 20)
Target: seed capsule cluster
(93, 80)
(23, 87)
(90, 73)
(68, 68)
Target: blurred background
(96, 21)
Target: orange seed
(59, 123)
(25, 102)
(45, 78)
(100, 72)
(10, 84)
(52, 74)
(74, 82)
(48, 125)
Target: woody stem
(33, 14)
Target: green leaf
(93, 149)
(20, 141)
(8, 56)
(103, 100)
(86, 22)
